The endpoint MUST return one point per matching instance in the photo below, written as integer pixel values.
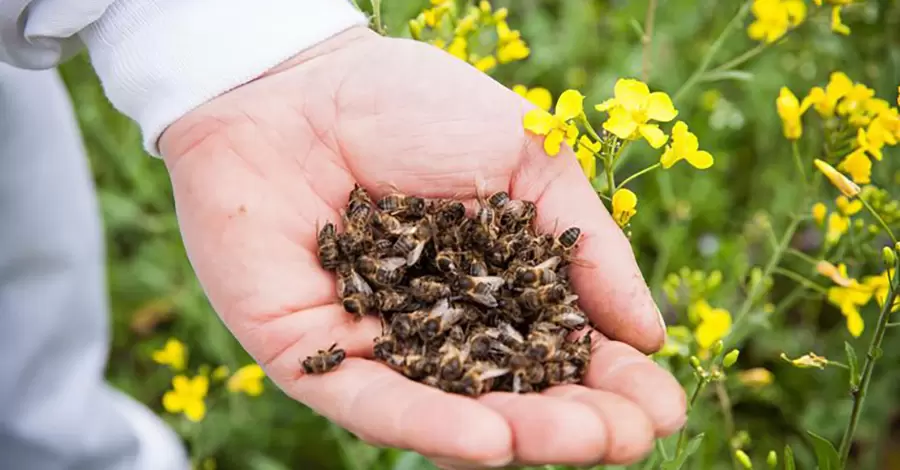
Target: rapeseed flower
(848, 299)
(881, 286)
(837, 227)
(715, 323)
(624, 206)
(848, 207)
(632, 109)
(774, 18)
(586, 156)
(187, 397)
(857, 163)
(557, 127)
(173, 354)
(538, 96)
(818, 213)
(837, 274)
(790, 110)
(247, 379)
(824, 101)
(844, 185)
(685, 146)
(510, 46)
(836, 24)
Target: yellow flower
(624, 206)
(848, 299)
(459, 47)
(438, 43)
(881, 286)
(756, 378)
(173, 354)
(837, 227)
(847, 187)
(857, 164)
(484, 64)
(220, 373)
(790, 110)
(538, 96)
(825, 100)
(247, 379)
(678, 339)
(884, 129)
(633, 108)
(715, 323)
(557, 127)
(586, 156)
(510, 47)
(847, 207)
(187, 397)
(836, 25)
(774, 18)
(818, 212)
(837, 274)
(855, 100)
(807, 361)
(685, 146)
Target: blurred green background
(703, 220)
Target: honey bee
(447, 261)
(358, 304)
(533, 298)
(448, 214)
(398, 204)
(485, 231)
(385, 346)
(542, 346)
(504, 249)
(324, 361)
(429, 288)
(412, 242)
(329, 255)
(414, 366)
(566, 316)
(478, 379)
(451, 361)
(439, 319)
(566, 241)
(498, 200)
(579, 352)
(526, 373)
(560, 373)
(480, 289)
(509, 309)
(383, 272)
(392, 300)
(510, 336)
(350, 282)
(485, 343)
(517, 214)
(359, 196)
(388, 223)
(383, 247)
(542, 274)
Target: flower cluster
(709, 324)
(857, 124)
(775, 18)
(188, 394)
(480, 35)
(849, 294)
(634, 113)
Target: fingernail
(662, 321)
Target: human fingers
(550, 430)
(620, 369)
(609, 283)
(386, 409)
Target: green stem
(682, 436)
(893, 325)
(376, 14)
(800, 279)
(636, 175)
(711, 53)
(881, 221)
(798, 161)
(803, 256)
(751, 53)
(728, 417)
(647, 41)
(588, 127)
(859, 395)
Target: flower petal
(668, 158)
(571, 134)
(620, 123)
(195, 410)
(538, 121)
(199, 386)
(631, 93)
(654, 135)
(540, 97)
(660, 107)
(172, 402)
(700, 160)
(570, 105)
(606, 105)
(553, 142)
(855, 324)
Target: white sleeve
(159, 59)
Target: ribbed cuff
(159, 59)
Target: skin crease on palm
(256, 170)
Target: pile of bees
(468, 304)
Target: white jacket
(158, 59)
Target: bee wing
(492, 373)
(494, 282)
(513, 333)
(393, 263)
(487, 300)
(551, 263)
(359, 284)
(570, 299)
(413, 256)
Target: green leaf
(853, 362)
(691, 447)
(412, 461)
(789, 459)
(636, 26)
(826, 454)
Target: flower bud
(890, 258)
(730, 358)
(847, 188)
(743, 458)
(695, 362)
(772, 459)
(717, 347)
(415, 29)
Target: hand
(256, 169)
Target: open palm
(257, 169)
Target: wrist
(159, 59)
